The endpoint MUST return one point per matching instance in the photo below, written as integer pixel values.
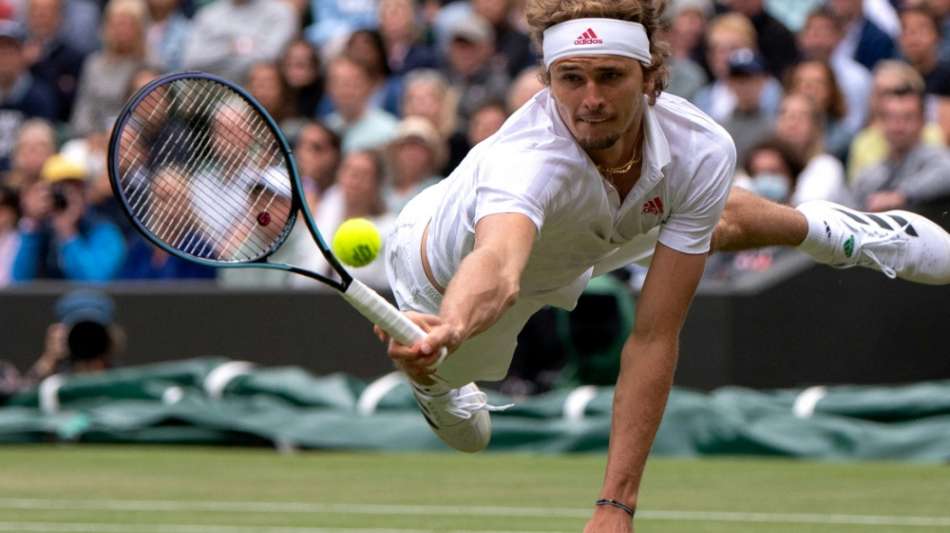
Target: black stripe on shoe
(879, 221)
(852, 216)
(903, 223)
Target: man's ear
(649, 82)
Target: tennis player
(599, 170)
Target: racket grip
(380, 312)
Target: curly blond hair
(542, 14)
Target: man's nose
(593, 97)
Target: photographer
(59, 237)
(84, 338)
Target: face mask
(775, 187)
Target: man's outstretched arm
(484, 287)
(646, 375)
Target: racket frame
(298, 201)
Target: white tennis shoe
(900, 244)
(460, 417)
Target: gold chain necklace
(623, 169)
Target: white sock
(820, 240)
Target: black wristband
(619, 505)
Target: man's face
(902, 120)
(349, 87)
(316, 156)
(722, 44)
(748, 90)
(11, 60)
(358, 182)
(413, 159)
(467, 57)
(43, 17)
(919, 39)
(795, 124)
(819, 38)
(598, 97)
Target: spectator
(366, 46)
(59, 237)
(687, 21)
(486, 120)
(267, 85)
(470, 69)
(427, 94)
(357, 193)
(81, 23)
(317, 151)
(864, 41)
(527, 84)
(728, 33)
(84, 339)
(22, 96)
(402, 36)
(228, 36)
(166, 35)
(415, 157)
(914, 173)
(799, 126)
(300, 67)
(816, 80)
(51, 58)
(771, 170)
(748, 123)
(920, 46)
(773, 40)
(359, 124)
(869, 146)
(106, 73)
(818, 39)
(35, 143)
(9, 237)
(145, 261)
(513, 50)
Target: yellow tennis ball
(356, 242)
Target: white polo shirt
(533, 166)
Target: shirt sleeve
(513, 182)
(693, 219)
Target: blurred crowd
(843, 100)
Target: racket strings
(203, 172)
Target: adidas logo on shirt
(588, 37)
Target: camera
(60, 200)
(88, 340)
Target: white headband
(596, 36)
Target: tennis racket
(205, 174)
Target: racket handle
(380, 312)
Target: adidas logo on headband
(588, 37)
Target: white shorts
(487, 355)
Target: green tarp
(217, 401)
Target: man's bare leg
(900, 244)
(750, 221)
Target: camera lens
(88, 340)
(60, 203)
